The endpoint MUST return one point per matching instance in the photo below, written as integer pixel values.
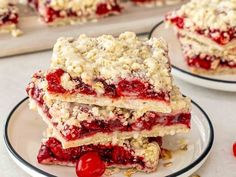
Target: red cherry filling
(234, 149)
(146, 122)
(90, 165)
(104, 8)
(205, 63)
(54, 81)
(220, 37)
(200, 63)
(178, 21)
(132, 88)
(125, 88)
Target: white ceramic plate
(24, 128)
(180, 68)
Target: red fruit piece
(102, 9)
(234, 149)
(54, 81)
(44, 153)
(90, 165)
(179, 21)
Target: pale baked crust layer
(128, 103)
(219, 70)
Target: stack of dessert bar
(111, 95)
(207, 32)
(59, 12)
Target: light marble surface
(15, 73)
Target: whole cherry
(90, 165)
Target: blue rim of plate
(182, 171)
(187, 72)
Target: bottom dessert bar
(141, 154)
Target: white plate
(180, 68)
(24, 128)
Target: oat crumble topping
(113, 59)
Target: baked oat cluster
(207, 32)
(110, 95)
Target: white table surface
(15, 73)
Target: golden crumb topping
(106, 57)
(208, 14)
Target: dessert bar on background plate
(21, 121)
(42, 37)
(207, 34)
(182, 71)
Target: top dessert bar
(107, 71)
(214, 19)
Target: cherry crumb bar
(8, 18)
(124, 72)
(76, 124)
(57, 12)
(150, 3)
(207, 33)
(141, 154)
